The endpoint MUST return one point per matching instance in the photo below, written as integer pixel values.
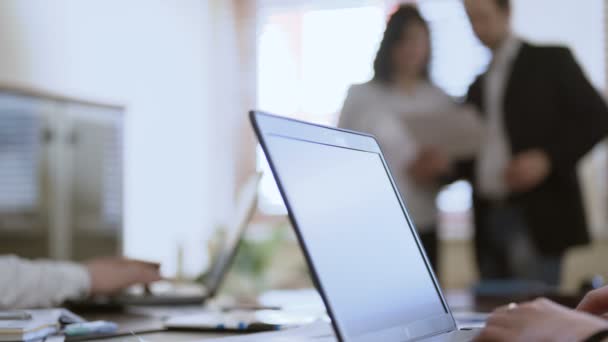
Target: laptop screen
(359, 241)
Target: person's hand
(430, 163)
(110, 275)
(527, 170)
(595, 302)
(540, 320)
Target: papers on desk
(319, 331)
(55, 339)
(242, 320)
(38, 324)
(458, 135)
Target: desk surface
(165, 336)
(151, 328)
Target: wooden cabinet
(61, 174)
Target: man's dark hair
(504, 5)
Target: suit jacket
(548, 104)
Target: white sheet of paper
(459, 135)
(319, 331)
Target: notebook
(41, 323)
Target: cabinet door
(24, 192)
(96, 180)
(61, 185)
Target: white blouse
(42, 283)
(380, 110)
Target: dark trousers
(506, 250)
(430, 242)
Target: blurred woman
(400, 88)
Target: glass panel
(24, 217)
(96, 190)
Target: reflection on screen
(357, 235)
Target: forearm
(28, 284)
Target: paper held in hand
(457, 134)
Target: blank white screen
(357, 236)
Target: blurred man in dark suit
(542, 115)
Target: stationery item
(30, 325)
(238, 320)
(235, 321)
(318, 331)
(90, 328)
(41, 324)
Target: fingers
(512, 176)
(144, 263)
(508, 307)
(144, 273)
(515, 175)
(507, 321)
(527, 169)
(494, 334)
(595, 302)
(518, 177)
(429, 164)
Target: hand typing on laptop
(544, 320)
(110, 275)
(44, 283)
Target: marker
(90, 328)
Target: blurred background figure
(542, 115)
(44, 283)
(401, 87)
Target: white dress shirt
(495, 152)
(380, 110)
(33, 284)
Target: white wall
(155, 57)
(577, 24)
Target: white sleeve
(351, 110)
(365, 110)
(31, 284)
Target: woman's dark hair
(405, 16)
(504, 5)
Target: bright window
(307, 59)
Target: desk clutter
(48, 325)
(240, 320)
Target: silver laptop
(167, 293)
(357, 236)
